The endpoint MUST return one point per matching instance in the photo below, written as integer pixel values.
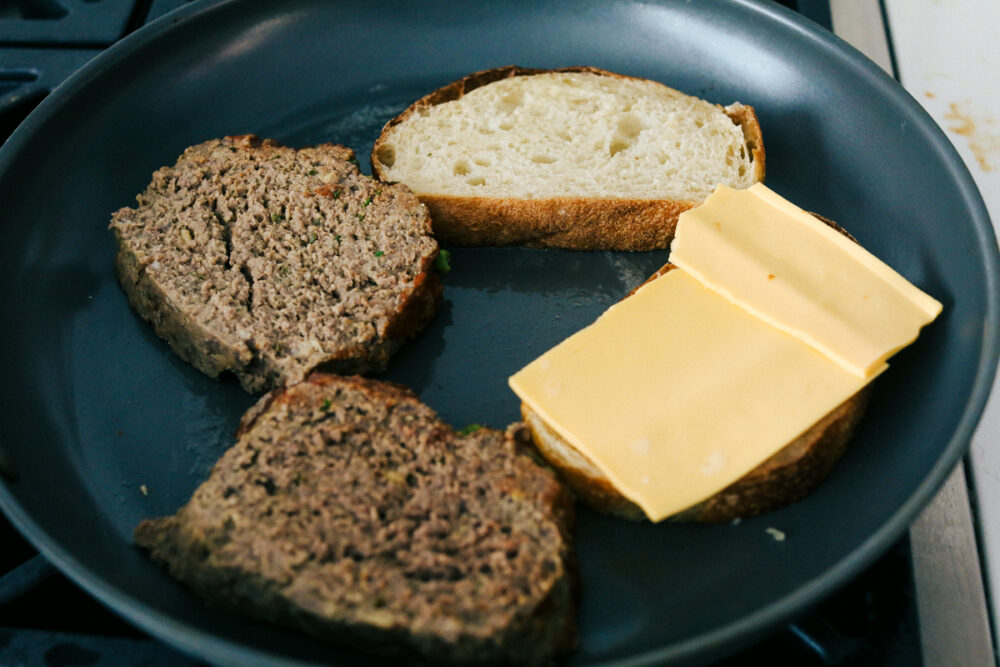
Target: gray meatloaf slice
(268, 261)
(349, 510)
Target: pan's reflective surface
(95, 406)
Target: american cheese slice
(771, 321)
(789, 269)
(675, 392)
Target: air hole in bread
(386, 154)
(511, 101)
(731, 158)
(543, 159)
(618, 144)
(629, 126)
(461, 168)
(482, 161)
(476, 180)
(506, 125)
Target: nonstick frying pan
(102, 425)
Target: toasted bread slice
(789, 475)
(575, 158)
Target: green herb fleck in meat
(469, 428)
(443, 261)
(379, 253)
(325, 405)
(277, 217)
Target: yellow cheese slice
(789, 269)
(771, 321)
(675, 392)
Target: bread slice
(267, 261)
(787, 476)
(575, 157)
(348, 510)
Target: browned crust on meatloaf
(560, 222)
(787, 476)
(348, 510)
(268, 261)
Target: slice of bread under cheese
(730, 384)
(574, 158)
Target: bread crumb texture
(569, 134)
(776, 534)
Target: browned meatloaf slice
(268, 261)
(347, 509)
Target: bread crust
(576, 223)
(560, 222)
(787, 476)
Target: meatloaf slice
(349, 510)
(268, 261)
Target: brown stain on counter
(978, 130)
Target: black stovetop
(47, 620)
